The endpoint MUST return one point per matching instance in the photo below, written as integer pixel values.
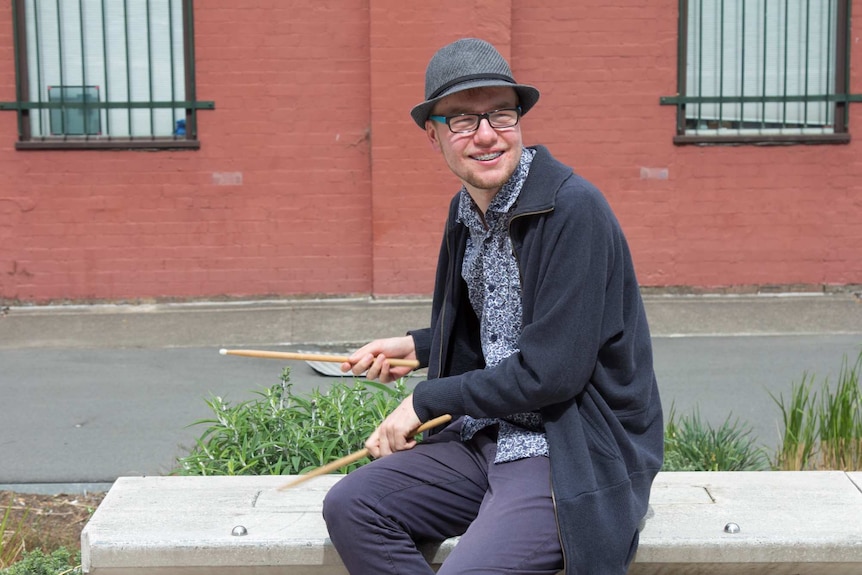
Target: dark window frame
(24, 105)
(841, 98)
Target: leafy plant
(281, 433)
(825, 431)
(692, 445)
(59, 562)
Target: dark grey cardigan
(585, 361)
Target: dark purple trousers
(444, 487)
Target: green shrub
(825, 431)
(59, 562)
(692, 445)
(280, 433)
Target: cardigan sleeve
(422, 344)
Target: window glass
(756, 48)
(81, 51)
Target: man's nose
(484, 130)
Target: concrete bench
(789, 522)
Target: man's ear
(433, 137)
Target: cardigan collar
(546, 176)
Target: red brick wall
(412, 185)
(724, 216)
(313, 180)
(276, 202)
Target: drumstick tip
(222, 351)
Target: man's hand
(371, 358)
(396, 433)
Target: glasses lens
(503, 118)
(463, 123)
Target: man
(539, 349)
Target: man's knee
(337, 502)
(348, 500)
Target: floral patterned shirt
(494, 286)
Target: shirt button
(491, 287)
(493, 337)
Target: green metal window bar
(763, 71)
(105, 74)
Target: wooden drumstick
(411, 363)
(348, 459)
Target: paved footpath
(91, 393)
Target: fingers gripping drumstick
(412, 363)
(348, 459)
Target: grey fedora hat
(464, 64)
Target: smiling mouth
(487, 157)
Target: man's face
(483, 160)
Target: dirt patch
(48, 522)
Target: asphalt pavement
(92, 393)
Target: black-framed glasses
(466, 123)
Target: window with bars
(105, 74)
(763, 71)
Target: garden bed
(49, 521)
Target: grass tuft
(823, 430)
(693, 445)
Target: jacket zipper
(521, 280)
(442, 319)
(511, 240)
(557, 519)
